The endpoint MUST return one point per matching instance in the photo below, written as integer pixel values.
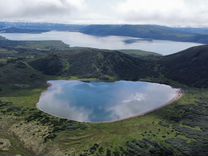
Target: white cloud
(39, 9)
(168, 12)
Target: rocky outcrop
(4, 144)
(32, 135)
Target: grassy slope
(187, 67)
(19, 74)
(159, 126)
(113, 135)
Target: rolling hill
(188, 67)
(97, 63)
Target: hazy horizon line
(86, 24)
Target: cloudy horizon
(183, 13)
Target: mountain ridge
(157, 32)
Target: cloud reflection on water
(103, 101)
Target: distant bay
(76, 39)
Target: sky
(192, 13)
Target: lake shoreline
(177, 95)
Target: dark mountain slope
(89, 62)
(113, 64)
(50, 65)
(18, 73)
(189, 67)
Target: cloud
(34, 9)
(177, 12)
(166, 12)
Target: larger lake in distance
(103, 101)
(110, 42)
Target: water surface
(111, 42)
(103, 101)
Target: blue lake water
(110, 42)
(103, 101)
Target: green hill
(188, 67)
(96, 63)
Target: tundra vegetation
(177, 129)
